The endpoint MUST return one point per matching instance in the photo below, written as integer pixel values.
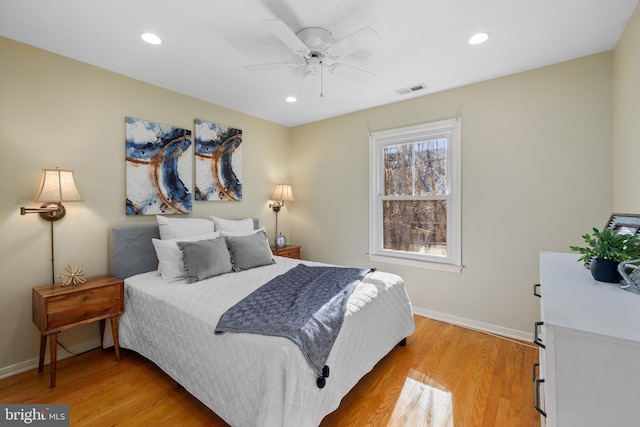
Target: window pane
(415, 226)
(414, 169)
(431, 167)
(397, 170)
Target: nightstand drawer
(82, 298)
(289, 251)
(76, 315)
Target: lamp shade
(57, 186)
(282, 193)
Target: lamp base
(276, 206)
(55, 211)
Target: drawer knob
(86, 297)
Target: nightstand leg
(43, 347)
(101, 322)
(114, 332)
(53, 351)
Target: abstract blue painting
(159, 168)
(218, 162)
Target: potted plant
(605, 249)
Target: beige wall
(626, 107)
(59, 112)
(536, 174)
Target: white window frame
(451, 129)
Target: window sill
(415, 263)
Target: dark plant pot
(604, 270)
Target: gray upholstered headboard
(131, 251)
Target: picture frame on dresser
(624, 223)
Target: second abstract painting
(218, 166)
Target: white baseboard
(62, 354)
(474, 324)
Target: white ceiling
(208, 42)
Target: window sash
(407, 156)
(425, 233)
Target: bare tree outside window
(416, 169)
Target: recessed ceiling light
(479, 38)
(290, 99)
(151, 38)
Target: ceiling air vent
(411, 89)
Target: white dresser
(589, 373)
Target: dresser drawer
(73, 316)
(82, 298)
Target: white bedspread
(255, 380)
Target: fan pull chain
(321, 79)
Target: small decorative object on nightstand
(56, 308)
(73, 276)
(287, 251)
(281, 241)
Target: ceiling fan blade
(288, 37)
(273, 66)
(349, 71)
(366, 38)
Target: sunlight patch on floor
(422, 405)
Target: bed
(248, 379)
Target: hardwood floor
(446, 376)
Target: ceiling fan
(318, 50)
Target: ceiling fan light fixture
(150, 38)
(478, 38)
(314, 63)
(315, 38)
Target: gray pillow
(205, 258)
(249, 251)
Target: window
(415, 195)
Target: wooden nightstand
(288, 251)
(56, 308)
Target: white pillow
(173, 228)
(170, 257)
(222, 224)
(241, 233)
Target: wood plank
(445, 376)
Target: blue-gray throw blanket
(305, 304)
